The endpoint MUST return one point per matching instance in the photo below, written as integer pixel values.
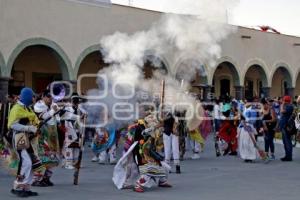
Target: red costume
(228, 133)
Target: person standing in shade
(268, 126)
(171, 141)
(286, 111)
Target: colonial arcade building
(42, 41)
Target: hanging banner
(102, 3)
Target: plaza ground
(208, 178)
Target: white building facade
(46, 40)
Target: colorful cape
(195, 135)
(48, 147)
(206, 126)
(123, 169)
(99, 147)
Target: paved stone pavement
(208, 178)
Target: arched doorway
(2, 65)
(36, 66)
(35, 62)
(225, 87)
(91, 61)
(297, 88)
(3, 80)
(281, 83)
(193, 71)
(152, 64)
(153, 69)
(256, 82)
(225, 80)
(88, 69)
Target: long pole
(78, 164)
(162, 99)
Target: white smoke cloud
(214, 10)
(197, 34)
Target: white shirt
(217, 111)
(44, 112)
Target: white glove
(31, 129)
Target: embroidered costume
(47, 146)
(22, 120)
(152, 167)
(104, 144)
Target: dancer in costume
(21, 120)
(104, 144)
(150, 163)
(70, 121)
(246, 136)
(228, 132)
(48, 146)
(126, 171)
(72, 147)
(206, 124)
(182, 130)
(171, 141)
(196, 142)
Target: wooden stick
(78, 164)
(261, 153)
(162, 99)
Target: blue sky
(283, 15)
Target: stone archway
(282, 82)
(194, 72)
(83, 55)
(36, 63)
(3, 80)
(2, 65)
(153, 63)
(227, 71)
(59, 54)
(256, 82)
(297, 84)
(87, 67)
(90, 61)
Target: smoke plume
(198, 32)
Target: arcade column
(239, 92)
(265, 91)
(3, 99)
(4, 88)
(290, 92)
(207, 95)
